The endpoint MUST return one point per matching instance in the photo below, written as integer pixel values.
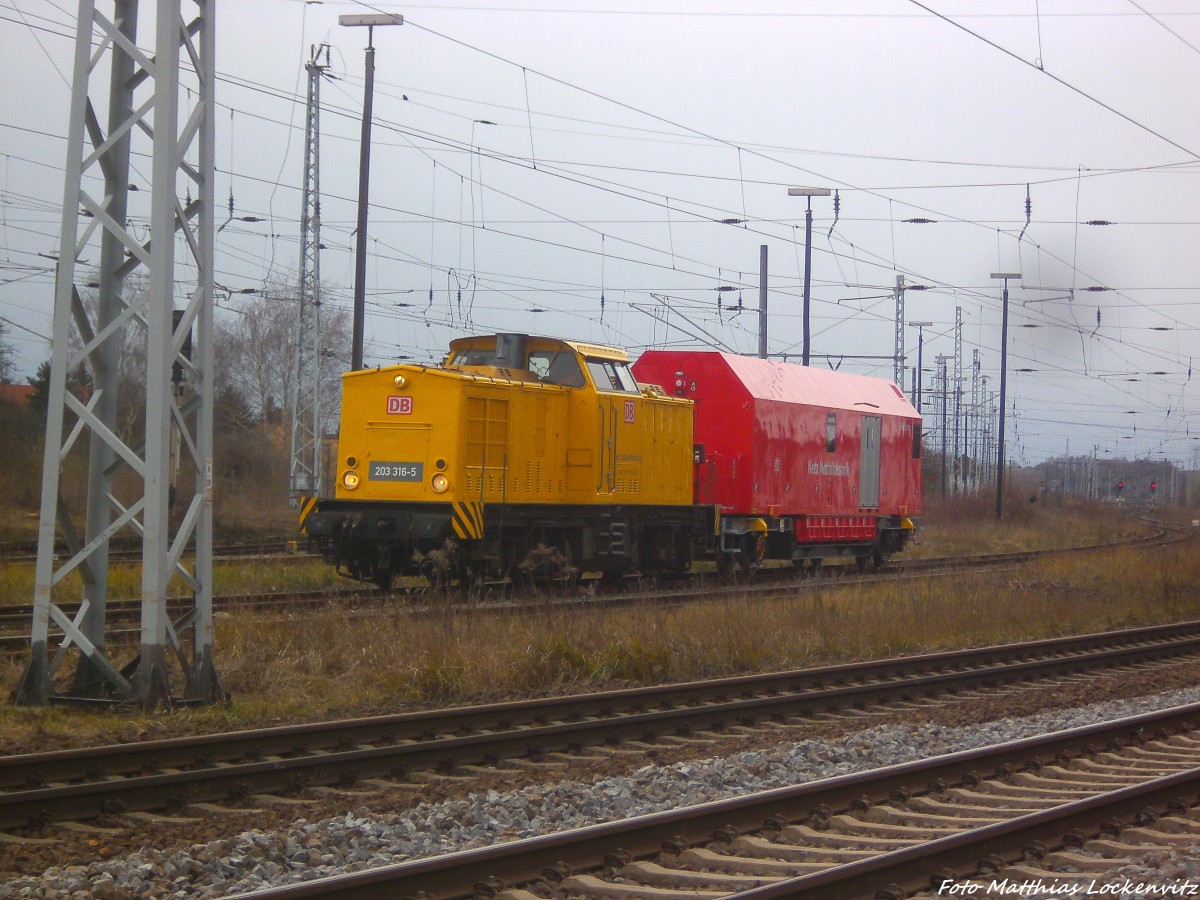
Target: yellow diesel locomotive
(515, 446)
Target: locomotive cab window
(830, 432)
(474, 357)
(916, 450)
(610, 375)
(556, 367)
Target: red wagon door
(868, 468)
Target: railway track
(1063, 809)
(25, 552)
(403, 751)
(686, 588)
(14, 620)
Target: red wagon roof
(790, 383)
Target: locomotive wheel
(383, 577)
(682, 561)
(549, 564)
(570, 571)
(614, 574)
(470, 580)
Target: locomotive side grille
(487, 482)
(486, 445)
(535, 482)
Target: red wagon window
(830, 432)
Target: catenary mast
(131, 487)
(305, 477)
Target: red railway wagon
(801, 463)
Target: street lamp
(920, 326)
(942, 359)
(808, 192)
(1004, 276)
(370, 20)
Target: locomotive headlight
(400, 381)
(440, 483)
(350, 481)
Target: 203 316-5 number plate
(395, 471)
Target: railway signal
(1153, 487)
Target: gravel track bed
(347, 834)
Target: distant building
(19, 394)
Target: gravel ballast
(360, 839)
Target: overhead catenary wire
(603, 229)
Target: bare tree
(256, 352)
(8, 361)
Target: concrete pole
(762, 302)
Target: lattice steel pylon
(958, 380)
(305, 477)
(144, 100)
(898, 366)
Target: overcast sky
(564, 168)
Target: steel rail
(16, 552)
(456, 875)
(66, 765)
(764, 581)
(958, 855)
(44, 787)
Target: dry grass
(339, 662)
(968, 526)
(125, 580)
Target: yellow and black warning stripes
(468, 520)
(307, 505)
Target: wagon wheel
(724, 563)
(874, 556)
(754, 550)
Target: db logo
(629, 409)
(399, 406)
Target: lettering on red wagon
(399, 406)
(840, 470)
